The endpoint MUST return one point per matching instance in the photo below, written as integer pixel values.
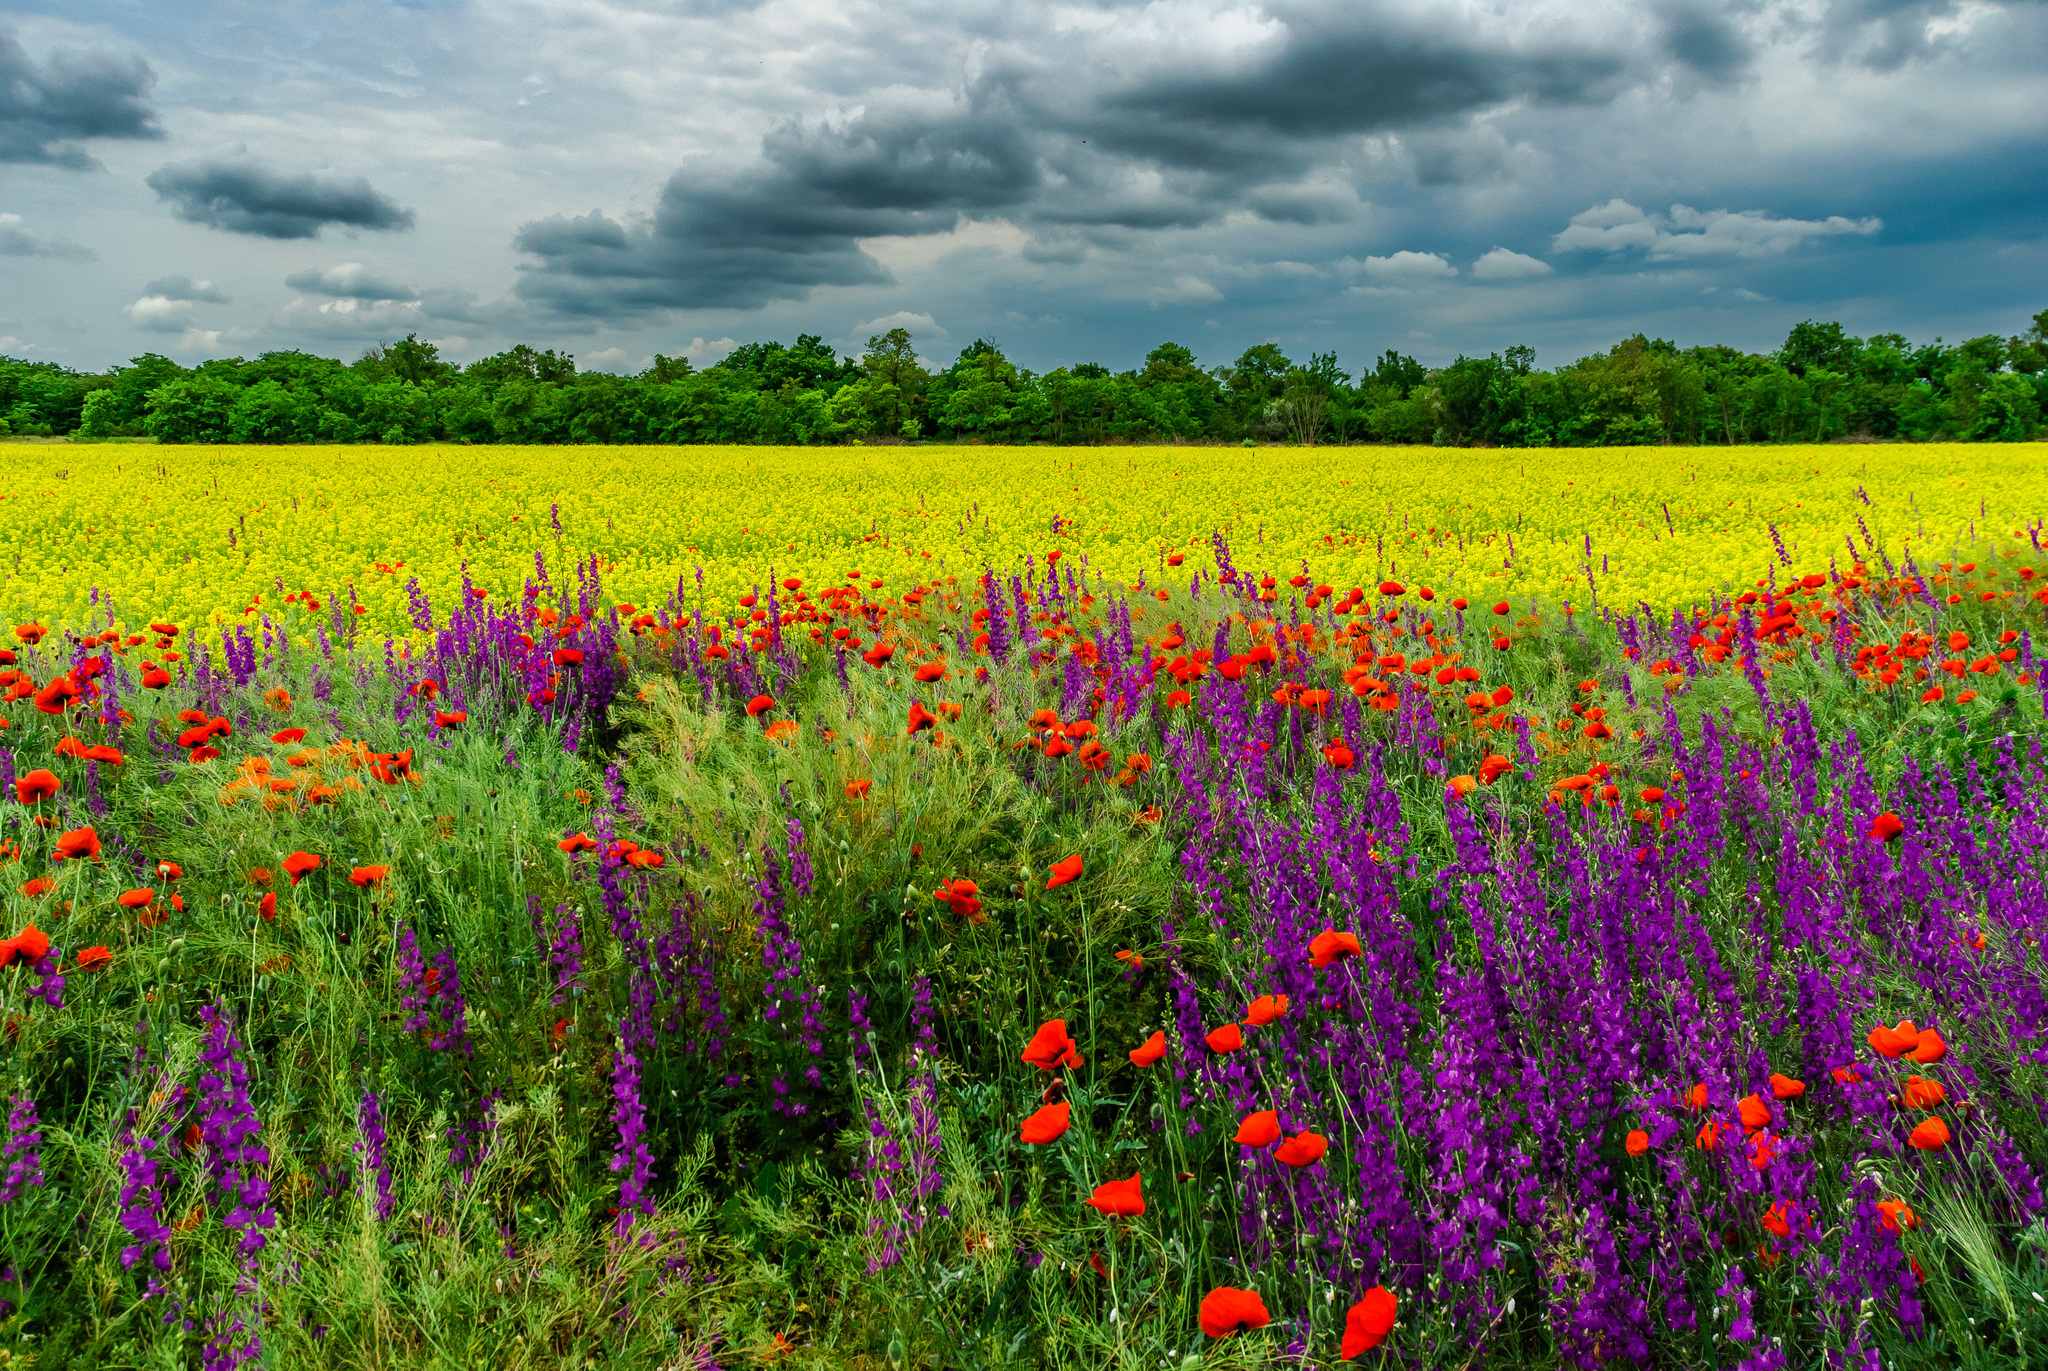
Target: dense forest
(1820, 385)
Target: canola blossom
(330, 539)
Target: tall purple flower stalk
(24, 1151)
(373, 1146)
(631, 1158)
(228, 1127)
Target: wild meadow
(955, 908)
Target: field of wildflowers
(1264, 916)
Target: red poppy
(1050, 1048)
(1226, 1310)
(1785, 1088)
(367, 876)
(1920, 1093)
(299, 864)
(1929, 1047)
(1120, 1198)
(644, 858)
(920, 718)
(1696, 1098)
(1708, 1138)
(1846, 1075)
(1368, 1322)
(578, 842)
(1265, 1010)
(1258, 1130)
(203, 754)
(760, 705)
(1225, 1039)
(878, 654)
(1303, 1149)
(1897, 1214)
(136, 899)
(1894, 1042)
(1754, 1112)
(929, 672)
(1391, 588)
(100, 752)
(1339, 756)
(1637, 1143)
(93, 958)
(155, 678)
(1774, 1220)
(568, 656)
(1153, 1049)
(1931, 1135)
(79, 842)
(1331, 946)
(39, 886)
(444, 718)
(37, 785)
(267, 906)
(1887, 828)
(426, 690)
(1047, 1124)
(1064, 871)
(30, 945)
(857, 790)
(1134, 960)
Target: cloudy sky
(1078, 181)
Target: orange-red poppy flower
(1928, 1047)
(367, 876)
(646, 859)
(1331, 946)
(1121, 1198)
(93, 958)
(1930, 1135)
(287, 736)
(1339, 757)
(267, 906)
(920, 717)
(760, 705)
(37, 785)
(299, 865)
(1785, 1088)
(1150, 1052)
(30, 945)
(136, 899)
(79, 842)
(578, 842)
(1888, 828)
(1894, 1042)
(1754, 1112)
(1225, 1039)
(449, 718)
(1265, 1010)
(1391, 588)
(1064, 871)
(1047, 1124)
(1637, 1143)
(1774, 1221)
(1134, 960)
(1696, 1098)
(568, 656)
(1846, 1075)
(1367, 1323)
(41, 885)
(857, 790)
(1261, 1129)
(1708, 1138)
(1226, 1310)
(1920, 1093)
(1050, 1048)
(1897, 1214)
(1303, 1149)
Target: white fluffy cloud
(1503, 264)
(1618, 226)
(1407, 268)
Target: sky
(1073, 181)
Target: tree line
(1821, 385)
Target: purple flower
(23, 1153)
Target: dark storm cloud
(183, 287)
(1362, 77)
(235, 193)
(743, 242)
(15, 241)
(350, 281)
(1708, 44)
(47, 111)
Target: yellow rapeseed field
(198, 533)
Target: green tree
(194, 409)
